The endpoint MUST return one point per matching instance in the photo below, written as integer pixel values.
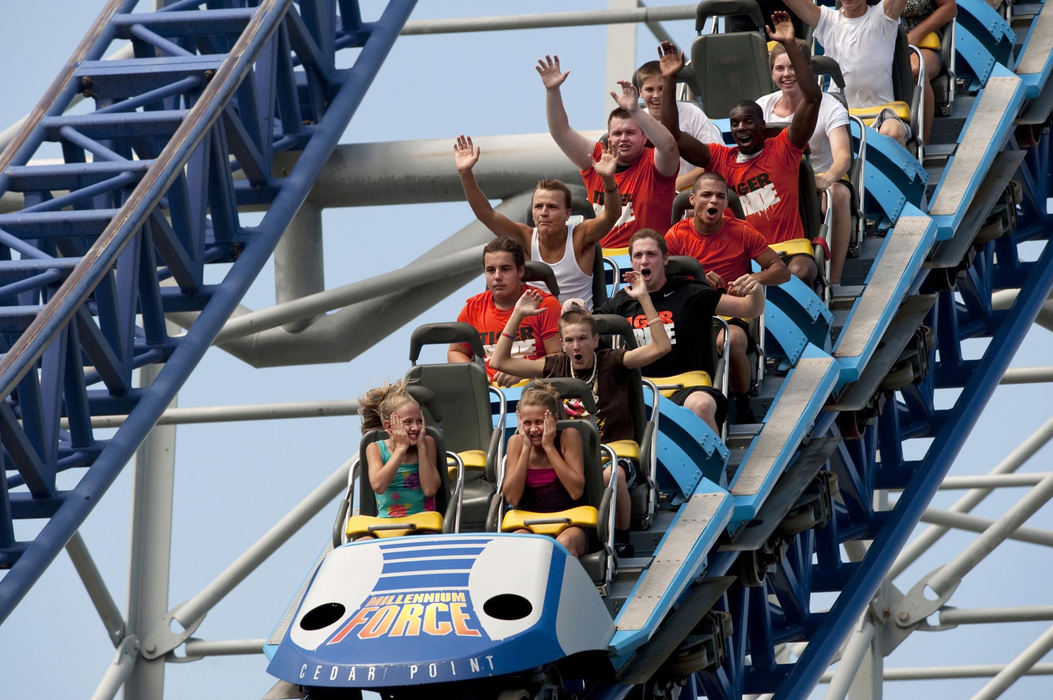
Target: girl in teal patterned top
(402, 469)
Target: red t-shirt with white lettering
(727, 251)
(766, 184)
(647, 197)
(481, 313)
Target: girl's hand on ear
(548, 437)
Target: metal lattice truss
(119, 233)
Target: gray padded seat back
(611, 324)
(685, 265)
(727, 68)
(462, 394)
(599, 277)
(461, 390)
(538, 271)
(808, 200)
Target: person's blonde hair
(377, 405)
(543, 394)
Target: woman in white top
(830, 146)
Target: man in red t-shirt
(725, 245)
(646, 176)
(764, 173)
(504, 262)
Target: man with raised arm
(763, 172)
(606, 371)
(504, 262)
(725, 246)
(565, 243)
(646, 176)
(685, 308)
(862, 40)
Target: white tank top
(573, 283)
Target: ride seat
(908, 93)
(462, 393)
(599, 498)
(366, 521)
(726, 68)
(641, 449)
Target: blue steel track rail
(780, 608)
(119, 233)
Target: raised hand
(548, 69)
(637, 287)
(465, 154)
(548, 436)
(670, 59)
(782, 28)
(607, 165)
(629, 99)
(529, 304)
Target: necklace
(590, 380)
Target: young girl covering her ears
(403, 469)
(545, 469)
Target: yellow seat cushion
(428, 521)
(794, 246)
(667, 386)
(473, 459)
(869, 114)
(612, 252)
(550, 523)
(626, 449)
(930, 41)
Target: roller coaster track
(126, 233)
(106, 245)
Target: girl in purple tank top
(545, 469)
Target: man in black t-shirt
(686, 308)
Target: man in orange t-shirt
(504, 262)
(646, 176)
(725, 245)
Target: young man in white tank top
(567, 244)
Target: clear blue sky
(234, 480)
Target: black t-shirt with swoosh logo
(686, 307)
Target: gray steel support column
(299, 268)
(621, 54)
(151, 549)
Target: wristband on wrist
(509, 336)
(654, 321)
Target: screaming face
(747, 128)
(648, 260)
(579, 344)
(709, 199)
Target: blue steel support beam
(910, 506)
(120, 449)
